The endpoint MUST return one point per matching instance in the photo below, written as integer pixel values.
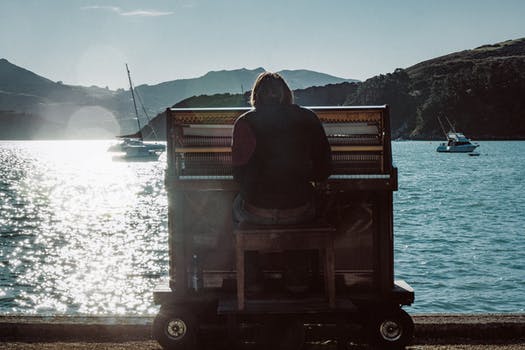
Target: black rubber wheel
(175, 329)
(393, 329)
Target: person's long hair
(270, 89)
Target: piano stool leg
(329, 271)
(240, 271)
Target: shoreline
(397, 139)
(429, 329)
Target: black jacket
(277, 152)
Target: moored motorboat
(456, 141)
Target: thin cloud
(107, 8)
(145, 13)
(137, 13)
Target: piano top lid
(315, 108)
(338, 108)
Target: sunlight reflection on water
(83, 234)
(73, 239)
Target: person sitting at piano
(278, 150)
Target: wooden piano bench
(271, 238)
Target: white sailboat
(133, 147)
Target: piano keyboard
(332, 177)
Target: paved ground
(433, 332)
(151, 345)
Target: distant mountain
(19, 80)
(480, 90)
(303, 79)
(32, 106)
(158, 97)
(329, 95)
(66, 111)
(19, 84)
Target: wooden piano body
(356, 200)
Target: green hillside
(480, 90)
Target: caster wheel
(175, 329)
(391, 330)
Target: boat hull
(456, 149)
(126, 158)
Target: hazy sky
(87, 42)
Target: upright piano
(356, 199)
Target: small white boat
(133, 146)
(456, 141)
(127, 143)
(138, 153)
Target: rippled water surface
(81, 233)
(460, 227)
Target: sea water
(82, 233)
(459, 224)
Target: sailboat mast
(442, 127)
(451, 126)
(133, 97)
